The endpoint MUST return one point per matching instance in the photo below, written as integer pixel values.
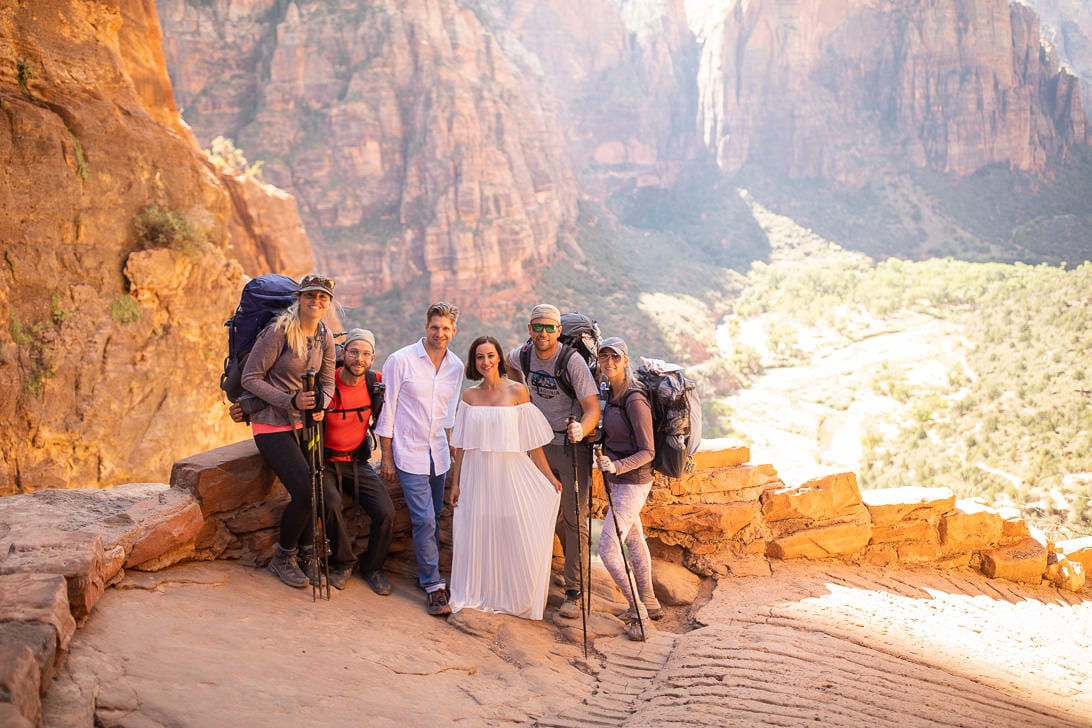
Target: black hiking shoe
(378, 582)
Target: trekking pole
(604, 397)
(585, 593)
(631, 580)
(313, 433)
(588, 596)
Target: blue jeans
(425, 499)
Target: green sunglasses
(548, 328)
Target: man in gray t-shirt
(582, 406)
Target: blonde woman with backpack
(626, 463)
(295, 342)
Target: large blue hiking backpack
(263, 298)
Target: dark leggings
(283, 453)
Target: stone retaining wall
(60, 549)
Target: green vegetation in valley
(1014, 423)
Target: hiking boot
(634, 631)
(286, 568)
(437, 603)
(339, 578)
(310, 566)
(378, 583)
(570, 608)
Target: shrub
(56, 313)
(228, 158)
(125, 310)
(24, 73)
(158, 227)
(81, 158)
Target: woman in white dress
(505, 503)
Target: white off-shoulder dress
(503, 526)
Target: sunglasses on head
(548, 328)
(320, 281)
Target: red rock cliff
(417, 146)
(103, 339)
(832, 89)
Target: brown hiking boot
(286, 568)
(310, 566)
(571, 607)
(339, 577)
(637, 631)
(437, 603)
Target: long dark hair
(472, 372)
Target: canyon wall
(444, 144)
(419, 147)
(108, 328)
(835, 90)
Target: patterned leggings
(626, 501)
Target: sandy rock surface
(212, 644)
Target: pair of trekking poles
(585, 589)
(312, 433)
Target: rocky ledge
(61, 549)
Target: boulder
(722, 485)
(675, 585)
(87, 535)
(1023, 562)
(226, 478)
(37, 598)
(1077, 550)
(689, 525)
(841, 539)
(1065, 574)
(823, 499)
(896, 505)
(76, 556)
(40, 639)
(721, 453)
(971, 527)
(20, 682)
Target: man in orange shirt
(357, 400)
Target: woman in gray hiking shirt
(626, 462)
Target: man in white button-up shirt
(422, 390)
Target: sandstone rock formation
(1067, 30)
(831, 90)
(416, 144)
(106, 332)
(60, 550)
(447, 145)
